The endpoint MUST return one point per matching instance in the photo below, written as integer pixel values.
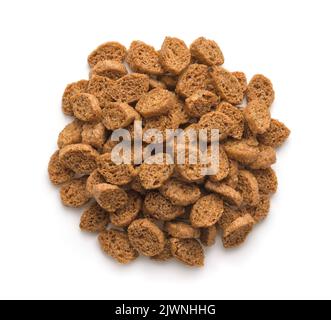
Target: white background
(44, 45)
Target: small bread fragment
(180, 193)
(86, 107)
(261, 211)
(57, 172)
(257, 116)
(117, 115)
(101, 88)
(94, 219)
(276, 135)
(249, 188)
(267, 157)
(236, 115)
(229, 215)
(223, 166)
(227, 85)
(125, 216)
(207, 52)
(109, 68)
(228, 194)
(241, 151)
(155, 171)
(155, 103)
(158, 207)
(107, 51)
(216, 120)
(116, 174)
(110, 197)
(242, 79)
(267, 180)
(94, 134)
(236, 233)
(260, 88)
(143, 58)
(207, 211)
(208, 236)
(71, 134)
(117, 245)
(70, 91)
(94, 179)
(188, 251)
(232, 179)
(166, 254)
(201, 103)
(193, 168)
(73, 193)
(195, 77)
(146, 237)
(130, 88)
(174, 55)
(80, 158)
(181, 230)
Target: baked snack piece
(227, 193)
(258, 117)
(229, 215)
(158, 207)
(195, 77)
(201, 103)
(86, 107)
(174, 55)
(248, 187)
(94, 179)
(236, 233)
(180, 193)
(188, 251)
(129, 88)
(206, 211)
(57, 172)
(241, 151)
(260, 88)
(94, 134)
(94, 219)
(111, 69)
(116, 244)
(155, 103)
(116, 174)
(242, 79)
(276, 135)
(102, 89)
(227, 85)
(146, 237)
(267, 180)
(143, 58)
(155, 171)
(181, 230)
(107, 51)
(123, 217)
(117, 115)
(207, 52)
(70, 91)
(267, 157)
(110, 197)
(237, 116)
(71, 134)
(73, 193)
(80, 158)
